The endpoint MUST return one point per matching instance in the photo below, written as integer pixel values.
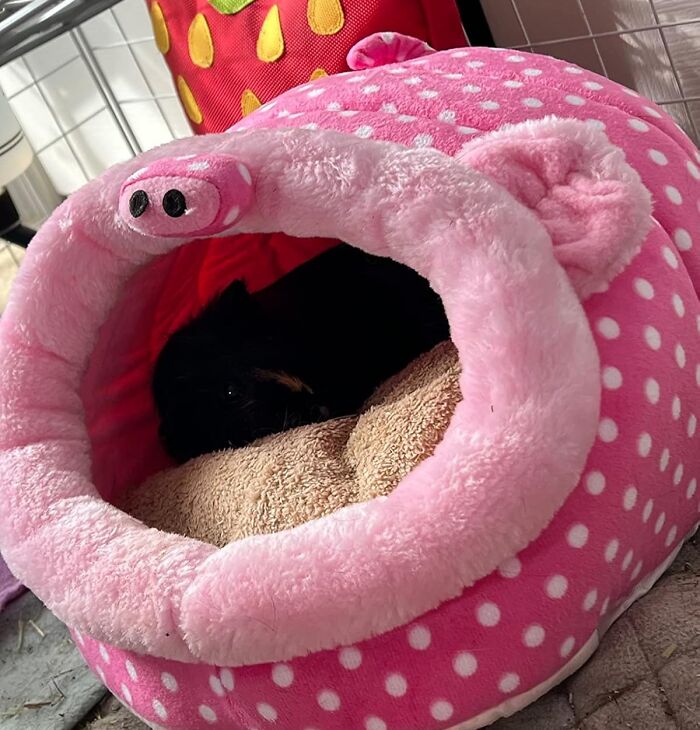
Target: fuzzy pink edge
(513, 452)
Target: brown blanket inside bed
(287, 479)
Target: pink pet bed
(557, 215)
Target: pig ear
(593, 204)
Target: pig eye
(174, 203)
(138, 203)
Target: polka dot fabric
(541, 612)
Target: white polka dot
(627, 560)
(533, 103)
(244, 172)
(448, 116)
(510, 568)
(637, 570)
(676, 408)
(488, 614)
(678, 475)
(575, 100)
(533, 636)
(682, 239)
(557, 586)
(648, 509)
(350, 657)
(198, 166)
(351, 79)
(595, 483)
(532, 72)
(577, 537)
(680, 355)
(159, 709)
(590, 600)
(673, 194)
(419, 637)
(658, 157)
(652, 337)
(459, 54)
(104, 653)
(266, 711)
(678, 305)
(465, 664)
(232, 215)
(335, 106)
(441, 710)
(612, 378)
(611, 550)
(365, 131)
(652, 112)
(375, 723)
(387, 37)
(644, 445)
(398, 70)
(644, 288)
(490, 105)
(216, 686)
(389, 108)
(692, 488)
(429, 94)
(328, 700)
(471, 89)
(607, 430)
(423, 140)
(282, 675)
(169, 682)
(630, 498)
(608, 328)
(413, 81)
(310, 126)
(573, 70)
(126, 694)
(670, 257)
(660, 522)
(652, 390)
(282, 113)
(515, 58)
(567, 647)
(638, 125)
(207, 714)
(593, 85)
(512, 84)
(396, 685)
(664, 459)
(371, 89)
(693, 170)
(131, 670)
(509, 683)
(475, 64)
(467, 130)
(604, 607)
(406, 118)
(692, 425)
(227, 679)
(596, 124)
(671, 537)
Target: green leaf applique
(230, 7)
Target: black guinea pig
(312, 346)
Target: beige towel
(287, 479)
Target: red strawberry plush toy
(230, 56)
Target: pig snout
(192, 196)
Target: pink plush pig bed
(557, 215)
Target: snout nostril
(174, 203)
(138, 203)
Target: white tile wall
(64, 116)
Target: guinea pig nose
(174, 203)
(138, 203)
